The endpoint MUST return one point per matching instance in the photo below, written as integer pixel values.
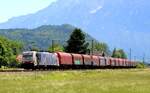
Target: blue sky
(125, 22)
(13, 8)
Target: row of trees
(78, 44)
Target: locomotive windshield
(27, 57)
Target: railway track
(46, 70)
(15, 70)
(30, 70)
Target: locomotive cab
(29, 59)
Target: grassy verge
(94, 81)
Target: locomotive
(37, 60)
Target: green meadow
(76, 81)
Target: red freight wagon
(87, 59)
(120, 62)
(102, 61)
(124, 62)
(77, 59)
(95, 60)
(116, 62)
(112, 61)
(133, 63)
(108, 63)
(128, 63)
(65, 58)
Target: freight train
(38, 60)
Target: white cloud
(96, 9)
(3, 19)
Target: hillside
(42, 36)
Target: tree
(8, 51)
(33, 46)
(16, 47)
(77, 43)
(119, 53)
(114, 53)
(34, 49)
(102, 48)
(123, 54)
(3, 51)
(55, 48)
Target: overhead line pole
(92, 47)
(52, 45)
(144, 58)
(130, 54)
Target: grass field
(94, 81)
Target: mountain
(42, 36)
(120, 23)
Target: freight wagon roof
(95, 57)
(63, 54)
(77, 55)
(29, 52)
(87, 56)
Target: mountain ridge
(120, 23)
(41, 37)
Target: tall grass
(89, 81)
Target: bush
(140, 65)
(8, 51)
(13, 63)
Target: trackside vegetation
(8, 51)
(93, 81)
(141, 65)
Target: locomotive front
(29, 59)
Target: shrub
(140, 65)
